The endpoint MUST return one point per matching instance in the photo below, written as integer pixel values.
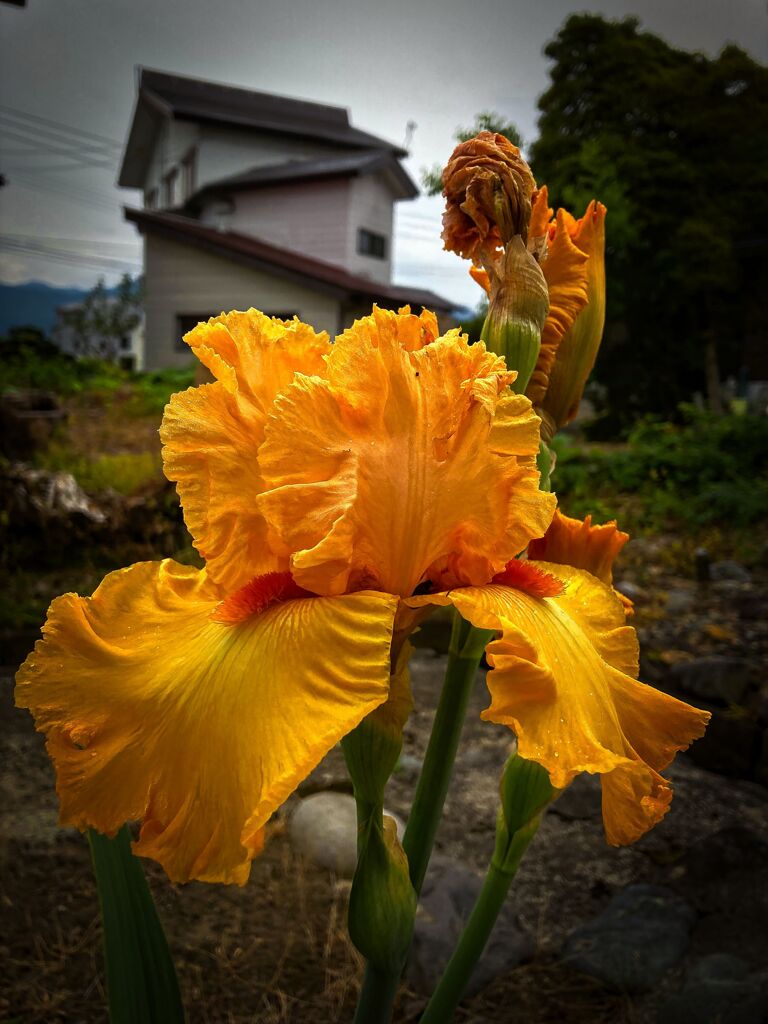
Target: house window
(171, 188)
(125, 343)
(371, 244)
(189, 173)
(185, 322)
(151, 200)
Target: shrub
(706, 471)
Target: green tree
(485, 121)
(676, 146)
(99, 322)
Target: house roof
(285, 263)
(367, 161)
(161, 95)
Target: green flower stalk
(525, 792)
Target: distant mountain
(34, 304)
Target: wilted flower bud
(488, 187)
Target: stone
(730, 745)
(323, 828)
(725, 877)
(631, 590)
(721, 679)
(409, 766)
(719, 989)
(680, 601)
(580, 801)
(447, 897)
(729, 570)
(751, 606)
(629, 946)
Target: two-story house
(253, 199)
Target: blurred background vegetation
(674, 144)
(670, 141)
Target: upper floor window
(371, 244)
(151, 200)
(189, 173)
(171, 188)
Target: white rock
(323, 828)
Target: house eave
(272, 260)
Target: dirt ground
(276, 949)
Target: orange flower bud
(488, 188)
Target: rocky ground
(671, 930)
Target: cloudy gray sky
(433, 62)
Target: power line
(60, 126)
(93, 199)
(45, 149)
(61, 256)
(88, 242)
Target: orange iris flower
(323, 484)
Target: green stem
(474, 938)
(466, 649)
(377, 995)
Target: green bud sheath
(382, 904)
(525, 792)
(518, 307)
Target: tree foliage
(98, 323)
(675, 144)
(485, 121)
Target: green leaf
(141, 979)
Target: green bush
(39, 365)
(125, 473)
(706, 471)
(151, 391)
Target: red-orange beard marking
(256, 596)
(522, 575)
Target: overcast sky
(433, 62)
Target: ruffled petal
(562, 678)
(565, 271)
(541, 215)
(211, 435)
(579, 346)
(578, 543)
(155, 712)
(402, 465)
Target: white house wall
(174, 141)
(222, 152)
(307, 217)
(371, 207)
(182, 280)
(227, 151)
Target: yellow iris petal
(154, 712)
(211, 435)
(563, 679)
(403, 464)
